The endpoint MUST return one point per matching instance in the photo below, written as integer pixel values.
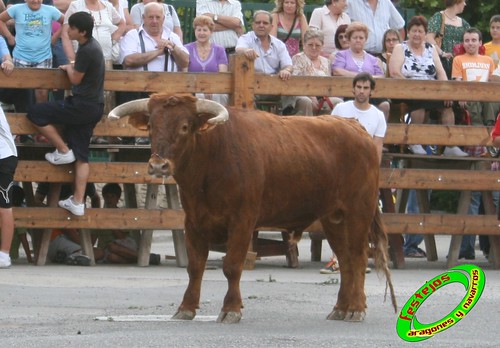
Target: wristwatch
(216, 18)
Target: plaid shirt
(475, 151)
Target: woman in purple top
(355, 59)
(205, 56)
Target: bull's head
(173, 121)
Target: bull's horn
(134, 106)
(211, 107)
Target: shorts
(422, 104)
(78, 116)
(7, 169)
(44, 64)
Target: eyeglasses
(391, 40)
(262, 22)
(342, 36)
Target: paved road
(56, 306)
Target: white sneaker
(75, 209)
(417, 149)
(4, 260)
(58, 158)
(454, 151)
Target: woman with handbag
(446, 29)
(290, 24)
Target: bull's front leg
(237, 247)
(197, 251)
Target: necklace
(450, 18)
(96, 23)
(203, 52)
(359, 61)
(203, 57)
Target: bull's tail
(378, 239)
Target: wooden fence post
(243, 78)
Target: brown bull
(238, 170)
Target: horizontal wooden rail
(100, 172)
(119, 80)
(437, 134)
(136, 173)
(396, 133)
(169, 219)
(125, 218)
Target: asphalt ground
(58, 305)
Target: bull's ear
(139, 120)
(203, 125)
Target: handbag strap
(441, 32)
(291, 29)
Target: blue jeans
(469, 240)
(412, 241)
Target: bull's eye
(184, 129)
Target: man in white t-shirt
(360, 108)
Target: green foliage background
(477, 12)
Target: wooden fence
(242, 83)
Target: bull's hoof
(184, 315)
(336, 315)
(229, 317)
(355, 316)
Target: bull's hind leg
(335, 234)
(349, 239)
(197, 250)
(237, 246)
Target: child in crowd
(117, 246)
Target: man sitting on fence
(79, 113)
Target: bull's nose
(159, 169)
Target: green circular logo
(408, 326)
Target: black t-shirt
(89, 60)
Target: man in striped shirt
(228, 19)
